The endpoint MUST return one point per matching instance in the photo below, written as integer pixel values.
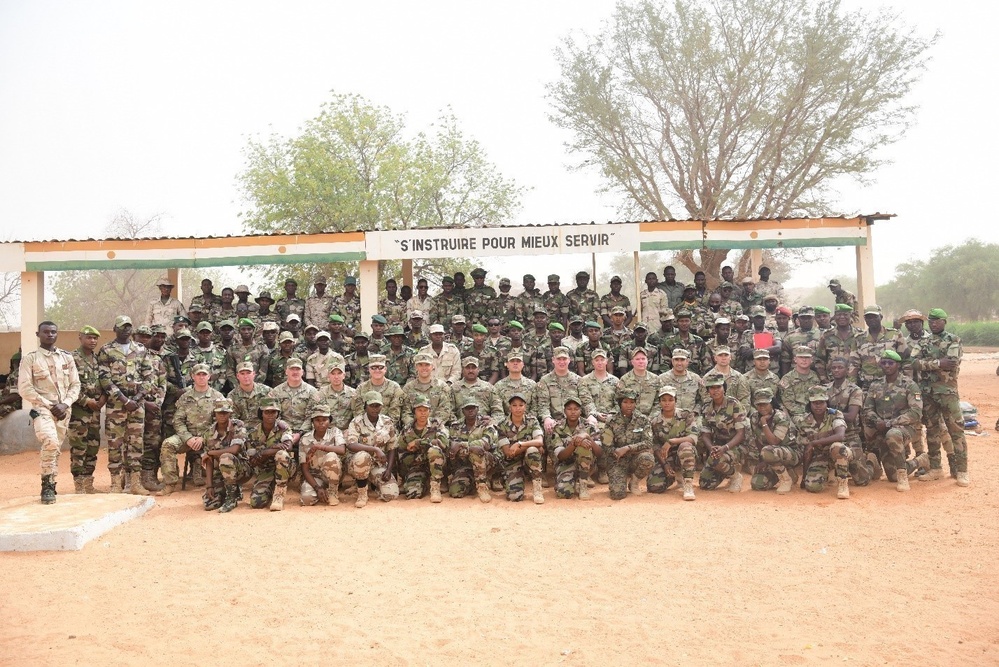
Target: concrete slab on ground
(67, 525)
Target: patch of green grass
(985, 334)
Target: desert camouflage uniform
(317, 311)
(646, 387)
(362, 465)
(842, 398)
(429, 459)
(507, 387)
(326, 467)
(229, 469)
(317, 366)
(130, 375)
(483, 393)
(722, 423)
(682, 457)
(577, 467)
(46, 379)
(340, 404)
(246, 403)
(194, 415)
(768, 461)
(277, 470)
(942, 414)
(84, 423)
(414, 304)
(467, 468)
(837, 453)
(438, 392)
(162, 314)
(793, 392)
(447, 364)
(622, 356)
(296, 403)
(654, 306)
(634, 431)
(689, 389)
(583, 302)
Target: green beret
(378, 319)
(514, 324)
(826, 311)
(337, 318)
(841, 308)
(478, 328)
(246, 322)
(556, 326)
(590, 324)
(891, 354)
(937, 314)
(90, 331)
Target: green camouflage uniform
(755, 380)
(393, 311)
(866, 357)
(416, 340)
(467, 468)
(670, 458)
(152, 425)
(504, 307)
(832, 345)
(399, 366)
(84, 423)
(194, 416)
(609, 302)
(722, 423)
(528, 464)
(483, 393)
(479, 304)
(229, 469)
(941, 402)
(769, 461)
(275, 367)
(527, 303)
(258, 355)
(579, 465)
(635, 432)
(793, 392)
(837, 453)
(274, 471)
(445, 307)
(646, 387)
(123, 377)
(622, 357)
(349, 310)
(842, 398)
(557, 306)
(438, 392)
(429, 459)
(212, 356)
(583, 302)
(798, 337)
(246, 403)
(507, 387)
(488, 356)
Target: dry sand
(748, 579)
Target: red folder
(763, 340)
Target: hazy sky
(148, 106)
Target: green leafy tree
(735, 108)
(355, 167)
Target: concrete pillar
(755, 262)
(32, 308)
(407, 274)
(178, 290)
(368, 284)
(637, 274)
(865, 272)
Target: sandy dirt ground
(748, 579)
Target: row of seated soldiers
(893, 403)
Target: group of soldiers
(710, 384)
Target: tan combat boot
(735, 481)
(786, 483)
(638, 486)
(539, 492)
(362, 497)
(583, 489)
(435, 492)
(844, 488)
(78, 485)
(277, 501)
(135, 481)
(933, 475)
(962, 479)
(88, 484)
(115, 483)
(922, 461)
(167, 489)
(332, 499)
(688, 488)
(483, 490)
(902, 480)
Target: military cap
(576, 319)
(373, 398)
(554, 278)
(264, 296)
(783, 310)
(195, 308)
(723, 349)
(478, 272)
(204, 326)
(164, 280)
(666, 315)
(599, 352)
(319, 280)
(201, 368)
(748, 280)
(478, 328)
(667, 389)
(891, 354)
(270, 326)
(361, 334)
(515, 355)
(618, 310)
(514, 324)
(824, 310)
(268, 403)
(722, 320)
(416, 315)
(293, 362)
(350, 280)
(180, 318)
(875, 309)
(420, 401)
(311, 326)
(245, 365)
(376, 360)
(622, 393)
(226, 323)
(322, 334)
(504, 282)
(637, 350)
(806, 311)
(802, 351)
(122, 320)
(88, 330)
(834, 283)
(241, 289)
(517, 394)
(529, 276)
(338, 363)
(742, 317)
(692, 288)
(459, 319)
(726, 284)
(447, 280)
(144, 330)
(912, 315)
(560, 351)
(937, 314)
(320, 410)
(844, 308)
(470, 361)
(763, 395)
(582, 274)
(291, 280)
(683, 313)
(570, 399)
(681, 353)
(158, 329)
(423, 358)
(285, 335)
(557, 326)
(818, 393)
(435, 329)
(222, 405)
(615, 279)
(395, 330)
(540, 309)
(761, 354)
(293, 317)
(641, 325)
(337, 318)
(469, 403)
(714, 380)
(378, 319)
(183, 332)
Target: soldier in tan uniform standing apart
(49, 384)
(163, 310)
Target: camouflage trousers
(679, 457)
(575, 468)
(841, 456)
(152, 440)
(414, 468)
(516, 470)
(325, 468)
(469, 469)
(719, 468)
(943, 417)
(768, 462)
(125, 433)
(169, 450)
(364, 467)
(229, 470)
(892, 448)
(620, 469)
(51, 434)
(269, 475)
(84, 441)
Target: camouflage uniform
(682, 457)
(357, 367)
(318, 365)
(534, 339)
(340, 404)
(445, 307)
(400, 366)
(84, 423)
(479, 304)
(557, 306)
(246, 403)
(527, 303)
(941, 402)
(647, 388)
(598, 396)
(326, 467)
(722, 423)
(275, 367)
(583, 354)
(735, 386)
(194, 415)
(634, 432)
(577, 468)
(689, 389)
(769, 462)
(152, 425)
(256, 352)
(437, 392)
(393, 310)
(809, 339)
(317, 311)
(231, 470)
(609, 302)
(865, 358)
(416, 340)
(837, 453)
(622, 356)
(793, 392)
(362, 465)
(447, 364)
(349, 310)
(615, 338)
(842, 398)
(694, 344)
(274, 471)
(584, 303)
(551, 392)
(205, 303)
(504, 307)
(468, 469)
(10, 388)
(755, 380)
(123, 377)
(212, 356)
(507, 387)
(162, 314)
(427, 461)
(176, 385)
(832, 345)
(483, 393)
(296, 404)
(516, 470)
(488, 356)
(394, 404)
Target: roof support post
(369, 292)
(755, 262)
(865, 272)
(174, 276)
(407, 274)
(32, 308)
(637, 274)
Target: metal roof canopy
(33, 258)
